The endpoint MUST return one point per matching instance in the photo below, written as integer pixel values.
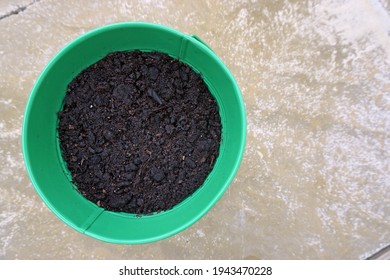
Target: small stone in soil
(152, 93)
(118, 201)
(190, 163)
(169, 128)
(108, 135)
(157, 174)
(140, 202)
(131, 167)
(137, 160)
(95, 159)
(153, 72)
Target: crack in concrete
(18, 10)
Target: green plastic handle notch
(200, 40)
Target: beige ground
(315, 179)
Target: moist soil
(139, 132)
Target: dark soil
(139, 132)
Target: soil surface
(139, 132)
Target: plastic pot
(48, 171)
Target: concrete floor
(315, 180)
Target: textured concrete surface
(315, 180)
